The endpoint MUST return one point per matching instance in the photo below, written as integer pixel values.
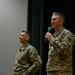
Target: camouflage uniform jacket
(27, 61)
(60, 51)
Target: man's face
(23, 37)
(56, 21)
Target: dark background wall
(40, 12)
(66, 8)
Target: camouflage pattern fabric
(27, 61)
(60, 51)
(59, 73)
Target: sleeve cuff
(52, 41)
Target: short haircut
(27, 32)
(60, 15)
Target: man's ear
(62, 21)
(27, 38)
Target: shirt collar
(23, 48)
(57, 33)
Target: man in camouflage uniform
(27, 60)
(60, 47)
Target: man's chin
(53, 27)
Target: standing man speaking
(60, 47)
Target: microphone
(49, 29)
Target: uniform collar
(24, 47)
(57, 33)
